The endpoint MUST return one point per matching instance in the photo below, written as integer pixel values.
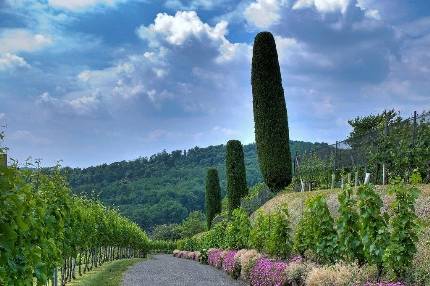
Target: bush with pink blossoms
(267, 272)
(215, 257)
(230, 264)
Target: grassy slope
(110, 274)
(295, 202)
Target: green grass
(110, 274)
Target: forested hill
(165, 187)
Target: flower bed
(230, 265)
(259, 270)
(215, 257)
(192, 255)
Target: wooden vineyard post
(356, 179)
(3, 159)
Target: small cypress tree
(236, 174)
(270, 114)
(213, 196)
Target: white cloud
(22, 40)
(184, 26)
(365, 5)
(293, 53)
(80, 5)
(323, 6)
(263, 13)
(10, 61)
(76, 103)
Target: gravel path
(161, 270)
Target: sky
(95, 81)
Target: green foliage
(166, 232)
(193, 224)
(278, 242)
(236, 174)
(350, 246)
(213, 196)
(258, 195)
(316, 231)
(373, 225)
(404, 228)
(238, 229)
(316, 171)
(42, 225)
(270, 114)
(259, 231)
(163, 246)
(165, 187)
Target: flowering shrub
(297, 272)
(268, 273)
(193, 255)
(247, 260)
(230, 265)
(336, 275)
(215, 257)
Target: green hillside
(165, 187)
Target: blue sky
(94, 81)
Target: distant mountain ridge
(165, 187)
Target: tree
(270, 114)
(193, 224)
(236, 174)
(213, 196)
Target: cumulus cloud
(263, 13)
(10, 61)
(323, 6)
(22, 40)
(186, 26)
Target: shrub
(373, 225)
(316, 232)
(268, 273)
(259, 231)
(215, 257)
(401, 248)
(247, 261)
(421, 264)
(279, 241)
(258, 196)
(213, 196)
(236, 174)
(297, 272)
(336, 275)
(270, 114)
(230, 265)
(350, 246)
(238, 229)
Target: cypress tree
(213, 196)
(270, 114)
(236, 174)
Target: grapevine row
(44, 228)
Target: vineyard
(48, 234)
(385, 146)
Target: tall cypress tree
(270, 114)
(213, 196)
(236, 174)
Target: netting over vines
(394, 149)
